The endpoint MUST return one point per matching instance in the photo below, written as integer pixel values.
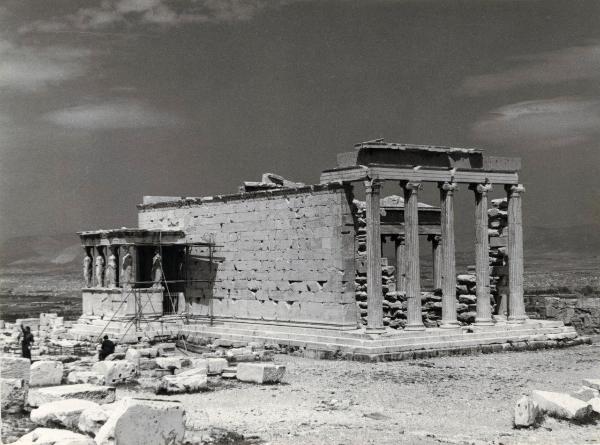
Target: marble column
(436, 253)
(449, 320)
(516, 305)
(374, 291)
(413, 272)
(482, 255)
(400, 263)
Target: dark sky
(104, 102)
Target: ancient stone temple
(302, 265)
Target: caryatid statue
(99, 271)
(110, 277)
(156, 270)
(126, 269)
(87, 270)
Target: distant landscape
(43, 273)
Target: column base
(484, 322)
(451, 324)
(519, 319)
(414, 327)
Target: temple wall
(283, 256)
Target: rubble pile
(79, 397)
(498, 237)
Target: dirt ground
(455, 400)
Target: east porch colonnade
(410, 166)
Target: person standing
(26, 342)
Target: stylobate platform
(350, 345)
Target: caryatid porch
(131, 272)
(410, 166)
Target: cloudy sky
(104, 101)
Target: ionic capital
(481, 189)
(411, 185)
(515, 191)
(448, 187)
(434, 238)
(372, 185)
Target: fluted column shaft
(413, 273)
(482, 255)
(448, 255)
(516, 305)
(436, 253)
(374, 291)
(400, 263)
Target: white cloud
(112, 115)
(539, 124)
(112, 14)
(574, 63)
(28, 68)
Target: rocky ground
(456, 400)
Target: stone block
(13, 395)
(61, 412)
(216, 365)
(260, 372)
(190, 381)
(51, 436)
(164, 349)
(15, 368)
(526, 413)
(134, 356)
(562, 405)
(585, 393)
(595, 404)
(46, 373)
(591, 383)
(85, 377)
(98, 394)
(173, 362)
(143, 422)
(115, 372)
(91, 419)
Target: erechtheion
(302, 264)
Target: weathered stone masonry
(282, 256)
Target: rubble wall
(580, 309)
(282, 256)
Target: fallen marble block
(216, 365)
(585, 393)
(592, 383)
(51, 436)
(133, 355)
(95, 393)
(61, 413)
(93, 418)
(15, 368)
(595, 404)
(260, 372)
(190, 381)
(526, 412)
(562, 405)
(46, 373)
(85, 377)
(115, 372)
(143, 422)
(13, 394)
(172, 362)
